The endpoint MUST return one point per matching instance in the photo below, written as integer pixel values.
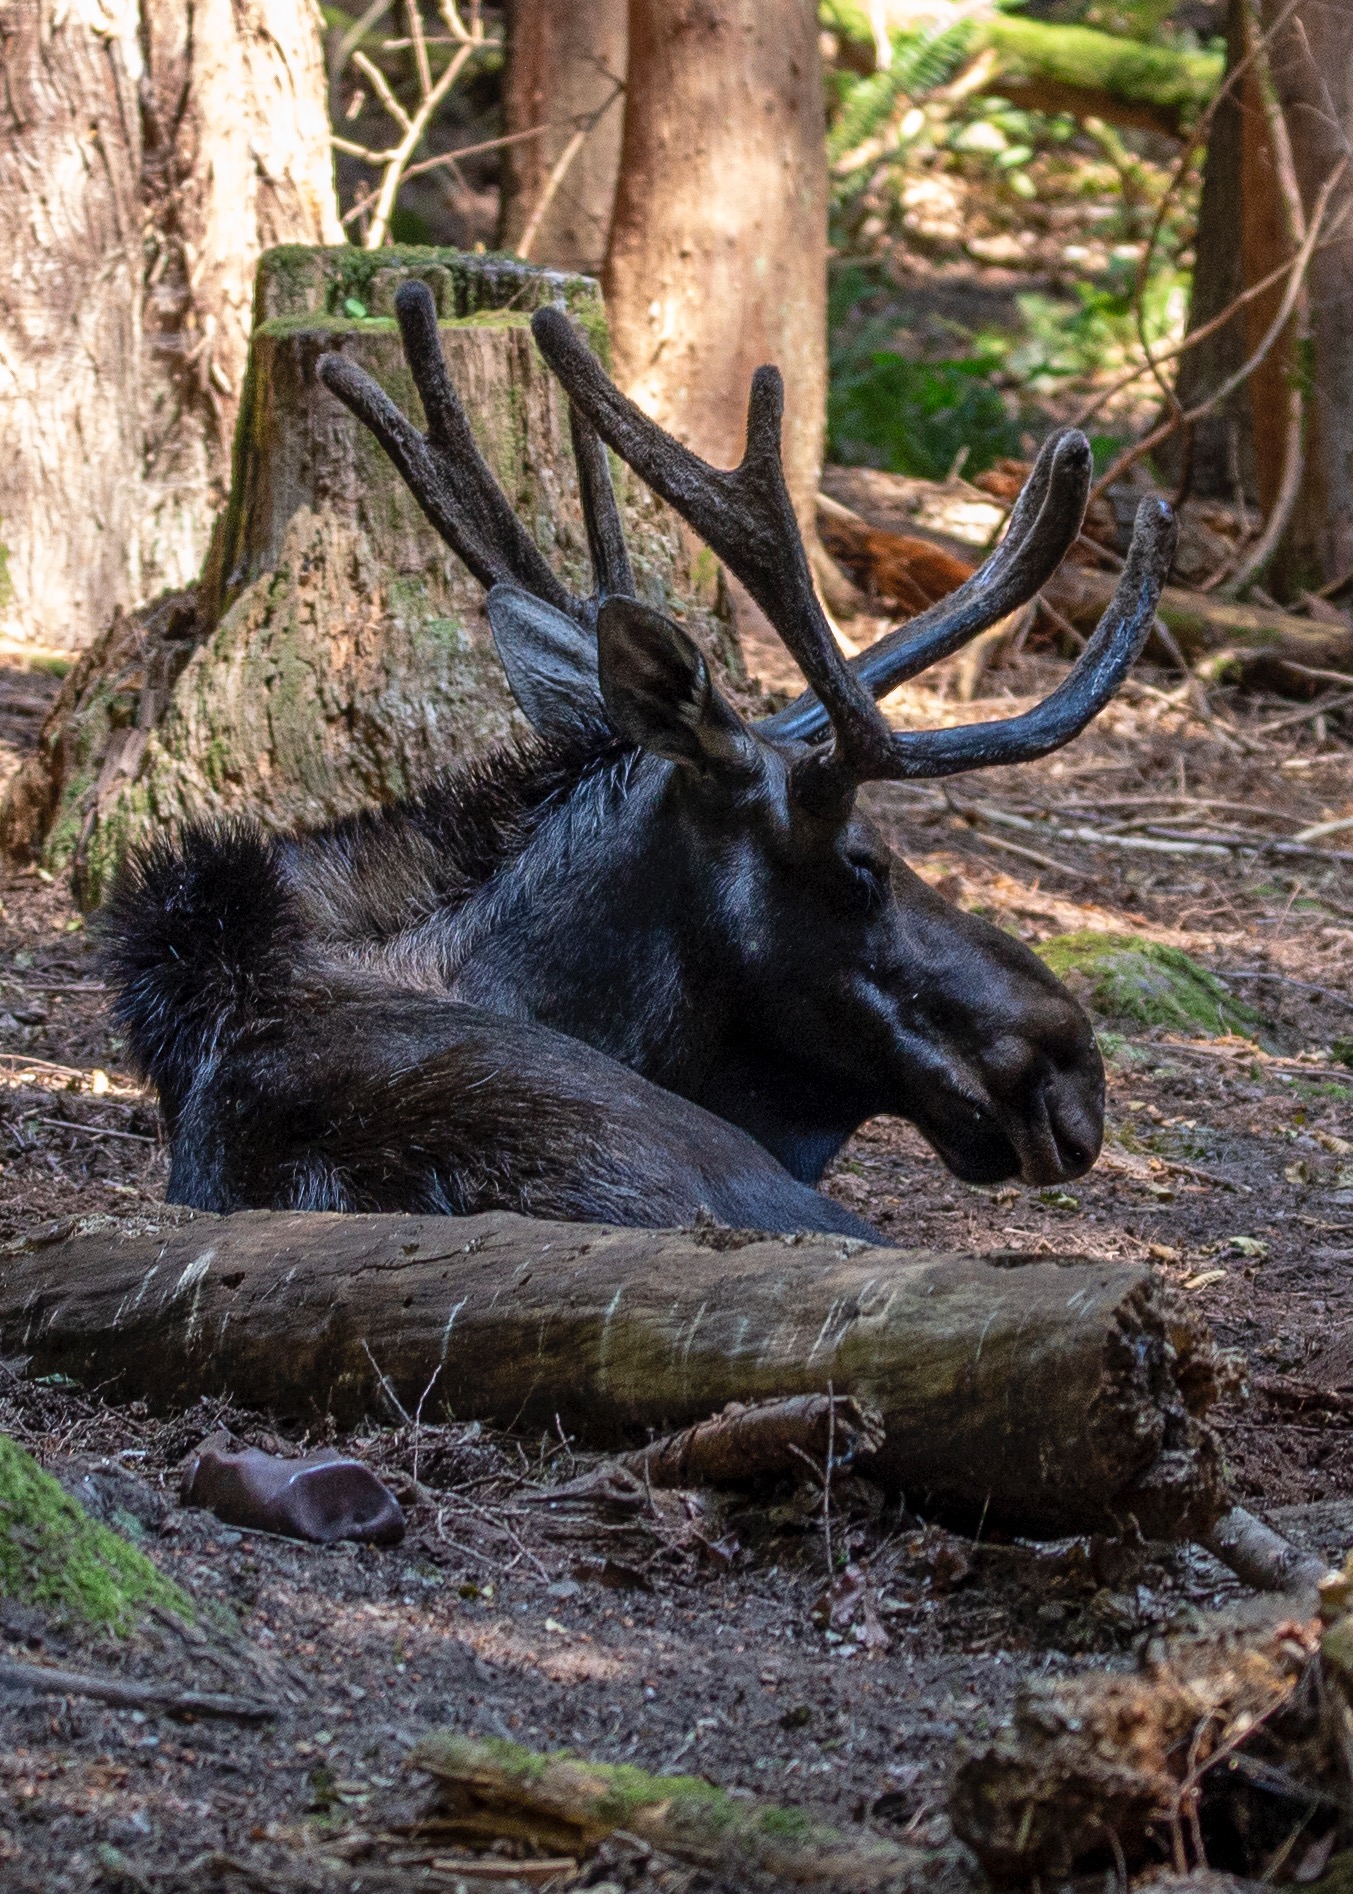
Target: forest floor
(687, 1639)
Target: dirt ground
(687, 1639)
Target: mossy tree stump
(335, 652)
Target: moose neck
(597, 928)
(618, 925)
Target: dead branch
(1054, 1397)
(127, 1695)
(1262, 1557)
(749, 1443)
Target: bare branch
(380, 85)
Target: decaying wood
(489, 1792)
(1262, 1557)
(1051, 1397)
(769, 1437)
(1264, 641)
(127, 1694)
(1221, 1734)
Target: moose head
(734, 925)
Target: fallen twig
(132, 1696)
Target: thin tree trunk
(1222, 449)
(1312, 60)
(1242, 238)
(724, 138)
(565, 69)
(236, 159)
(148, 153)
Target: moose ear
(658, 691)
(551, 663)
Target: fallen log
(1261, 642)
(861, 522)
(1044, 66)
(1051, 1397)
(486, 1792)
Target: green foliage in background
(916, 417)
(922, 60)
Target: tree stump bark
(1046, 1398)
(334, 653)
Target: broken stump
(335, 652)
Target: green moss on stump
(53, 1554)
(1152, 985)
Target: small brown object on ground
(323, 1497)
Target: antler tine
(444, 469)
(1046, 519)
(743, 514)
(611, 571)
(1097, 674)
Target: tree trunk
(1242, 238)
(565, 66)
(147, 154)
(1046, 1398)
(70, 334)
(1312, 58)
(335, 653)
(1220, 459)
(717, 258)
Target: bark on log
(765, 1439)
(335, 652)
(1050, 1398)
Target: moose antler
(1045, 521)
(451, 481)
(744, 515)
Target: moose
(653, 964)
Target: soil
(690, 1638)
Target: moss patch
(1140, 980)
(53, 1554)
(545, 1797)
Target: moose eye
(873, 872)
